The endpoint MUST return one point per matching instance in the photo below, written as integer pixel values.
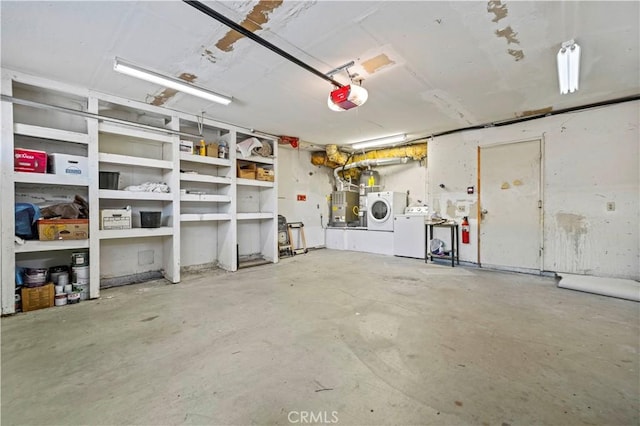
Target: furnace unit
(344, 208)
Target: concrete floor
(349, 337)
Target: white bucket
(55, 276)
(82, 281)
(84, 290)
(80, 272)
(61, 299)
(61, 279)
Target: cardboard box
(70, 165)
(186, 146)
(37, 297)
(212, 150)
(63, 229)
(29, 160)
(246, 170)
(266, 174)
(115, 219)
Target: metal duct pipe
(332, 157)
(370, 163)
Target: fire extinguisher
(465, 230)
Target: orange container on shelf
(63, 229)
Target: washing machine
(382, 207)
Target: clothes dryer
(382, 207)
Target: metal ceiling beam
(245, 32)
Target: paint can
(35, 277)
(73, 297)
(223, 151)
(83, 289)
(62, 279)
(80, 258)
(56, 271)
(61, 299)
(80, 274)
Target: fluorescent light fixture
(389, 140)
(173, 83)
(568, 67)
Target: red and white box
(29, 160)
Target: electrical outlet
(611, 206)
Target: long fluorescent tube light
(380, 142)
(182, 86)
(568, 67)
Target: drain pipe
(341, 183)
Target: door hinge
(539, 204)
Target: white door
(510, 206)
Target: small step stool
(300, 227)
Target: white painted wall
(452, 162)
(296, 176)
(406, 177)
(590, 158)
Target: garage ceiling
(428, 66)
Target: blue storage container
(27, 216)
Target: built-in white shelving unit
(210, 217)
(27, 127)
(256, 206)
(140, 155)
(208, 188)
